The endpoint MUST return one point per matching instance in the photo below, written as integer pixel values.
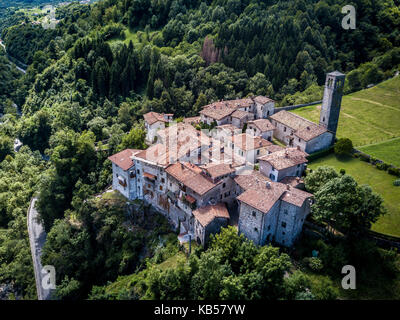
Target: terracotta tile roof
(263, 124)
(190, 199)
(217, 111)
(216, 170)
(310, 132)
(207, 214)
(295, 196)
(192, 120)
(262, 99)
(292, 181)
(174, 143)
(285, 158)
(123, 159)
(303, 128)
(149, 175)
(221, 109)
(263, 199)
(157, 153)
(274, 148)
(239, 114)
(190, 175)
(247, 142)
(251, 180)
(153, 117)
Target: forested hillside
(105, 64)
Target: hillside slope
(370, 118)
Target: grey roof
(336, 74)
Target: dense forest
(92, 77)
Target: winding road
(19, 68)
(37, 239)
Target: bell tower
(332, 100)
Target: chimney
(268, 185)
(288, 187)
(298, 148)
(286, 154)
(308, 128)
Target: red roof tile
(123, 159)
(207, 214)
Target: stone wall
(289, 108)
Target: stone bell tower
(332, 100)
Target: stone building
(261, 128)
(288, 162)
(237, 112)
(248, 147)
(124, 173)
(295, 131)
(332, 100)
(273, 212)
(209, 220)
(153, 122)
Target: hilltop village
(202, 180)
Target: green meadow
(380, 181)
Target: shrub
(394, 171)
(320, 154)
(364, 157)
(396, 183)
(342, 172)
(315, 264)
(343, 146)
(324, 289)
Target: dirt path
(376, 103)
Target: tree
(319, 177)
(134, 139)
(344, 146)
(271, 265)
(348, 206)
(6, 147)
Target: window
(220, 196)
(254, 213)
(138, 171)
(258, 151)
(269, 228)
(224, 185)
(255, 229)
(283, 224)
(285, 212)
(161, 188)
(162, 180)
(284, 129)
(283, 233)
(299, 140)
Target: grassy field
(380, 181)
(369, 118)
(388, 151)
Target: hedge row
(378, 163)
(320, 154)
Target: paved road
(19, 68)
(37, 238)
